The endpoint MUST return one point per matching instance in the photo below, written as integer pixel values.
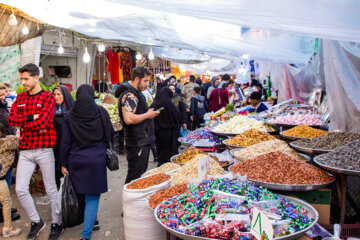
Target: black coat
(86, 165)
(4, 115)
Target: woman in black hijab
(63, 103)
(84, 151)
(166, 126)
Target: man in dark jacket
(138, 123)
(255, 102)
(198, 108)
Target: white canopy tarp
(279, 30)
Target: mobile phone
(162, 108)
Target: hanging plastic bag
(59, 197)
(183, 132)
(72, 205)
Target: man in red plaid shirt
(33, 111)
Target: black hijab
(213, 81)
(68, 99)
(169, 117)
(85, 117)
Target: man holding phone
(137, 120)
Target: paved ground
(109, 211)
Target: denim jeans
(8, 177)
(90, 215)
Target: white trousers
(44, 157)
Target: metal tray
(185, 143)
(222, 134)
(286, 187)
(231, 146)
(309, 150)
(278, 125)
(291, 138)
(232, 152)
(337, 170)
(225, 167)
(172, 159)
(312, 213)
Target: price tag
(261, 224)
(203, 167)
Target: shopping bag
(183, 132)
(59, 197)
(72, 205)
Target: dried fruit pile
(146, 182)
(304, 131)
(249, 138)
(278, 168)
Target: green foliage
(73, 94)
(20, 89)
(50, 88)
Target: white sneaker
(9, 232)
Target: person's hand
(187, 110)
(192, 118)
(36, 116)
(152, 114)
(64, 171)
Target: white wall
(73, 57)
(59, 61)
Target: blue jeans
(90, 215)
(8, 177)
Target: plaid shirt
(38, 133)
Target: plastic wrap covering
(341, 69)
(193, 25)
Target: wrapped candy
(200, 134)
(198, 212)
(298, 119)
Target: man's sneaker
(96, 226)
(9, 232)
(35, 229)
(56, 231)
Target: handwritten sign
(261, 225)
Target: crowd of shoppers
(70, 138)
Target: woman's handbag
(112, 159)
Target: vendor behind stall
(261, 90)
(253, 81)
(255, 101)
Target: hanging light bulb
(101, 47)
(61, 49)
(86, 57)
(246, 56)
(138, 56)
(12, 19)
(151, 54)
(25, 30)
